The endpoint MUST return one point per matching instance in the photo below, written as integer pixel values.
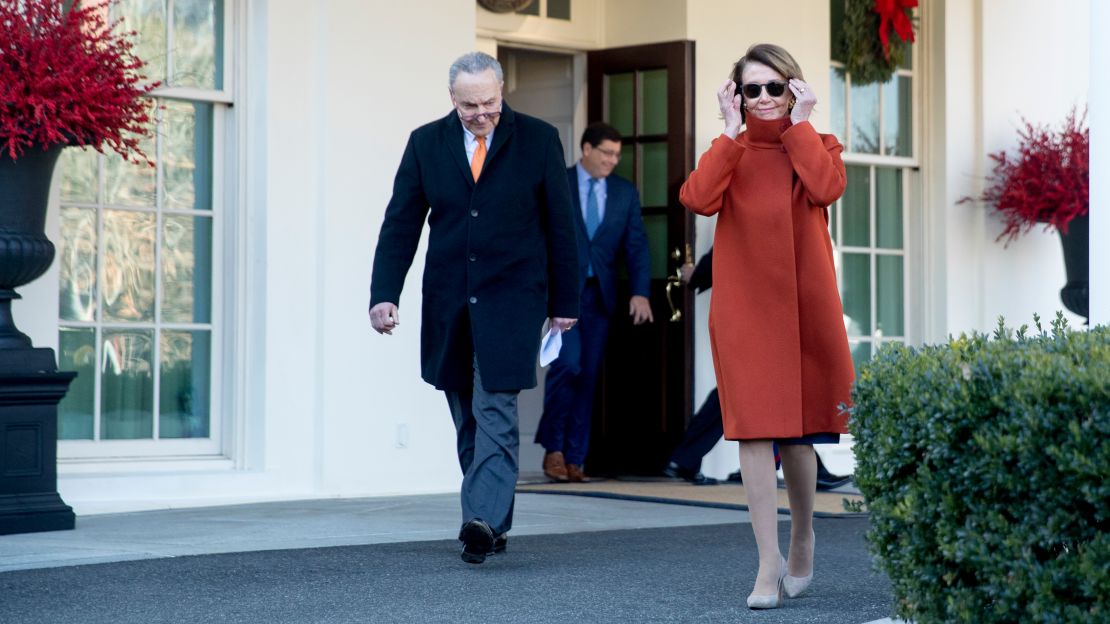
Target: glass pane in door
(654, 170)
(626, 168)
(620, 97)
(653, 102)
(656, 227)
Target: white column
(1099, 118)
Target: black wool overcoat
(502, 251)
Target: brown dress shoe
(576, 475)
(555, 467)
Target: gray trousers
(488, 443)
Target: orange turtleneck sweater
(776, 325)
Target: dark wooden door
(644, 398)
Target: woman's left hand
(804, 101)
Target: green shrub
(985, 464)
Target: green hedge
(985, 464)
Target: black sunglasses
(751, 90)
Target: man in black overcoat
(501, 259)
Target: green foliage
(861, 48)
(985, 464)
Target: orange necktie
(479, 158)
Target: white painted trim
(1099, 120)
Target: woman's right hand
(730, 103)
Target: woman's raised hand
(804, 101)
(730, 104)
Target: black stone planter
(25, 252)
(1076, 293)
(30, 384)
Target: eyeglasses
(752, 90)
(471, 118)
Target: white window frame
(909, 166)
(224, 214)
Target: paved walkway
(395, 560)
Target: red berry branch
(68, 77)
(1046, 182)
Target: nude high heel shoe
(794, 586)
(770, 601)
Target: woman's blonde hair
(771, 55)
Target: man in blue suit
(607, 211)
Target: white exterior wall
(332, 91)
(1004, 60)
(328, 109)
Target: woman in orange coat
(780, 349)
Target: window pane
(855, 207)
(888, 293)
(865, 119)
(128, 265)
(656, 228)
(79, 174)
(127, 391)
(654, 169)
(888, 207)
(531, 9)
(148, 19)
(897, 117)
(833, 211)
(558, 9)
(653, 103)
(836, 29)
(186, 269)
(856, 293)
(197, 43)
(187, 156)
(184, 385)
(77, 265)
(861, 352)
(77, 352)
(838, 102)
(130, 184)
(620, 93)
(626, 168)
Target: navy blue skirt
(811, 439)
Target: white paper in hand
(549, 348)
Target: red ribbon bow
(892, 14)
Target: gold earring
(790, 106)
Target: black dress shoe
(477, 539)
(700, 479)
(831, 482)
(674, 471)
(827, 480)
(734, 477)
(500, 543)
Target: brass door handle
(673, 281)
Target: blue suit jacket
(621, 231)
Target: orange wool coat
(776, 324)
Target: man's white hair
(474, 63)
